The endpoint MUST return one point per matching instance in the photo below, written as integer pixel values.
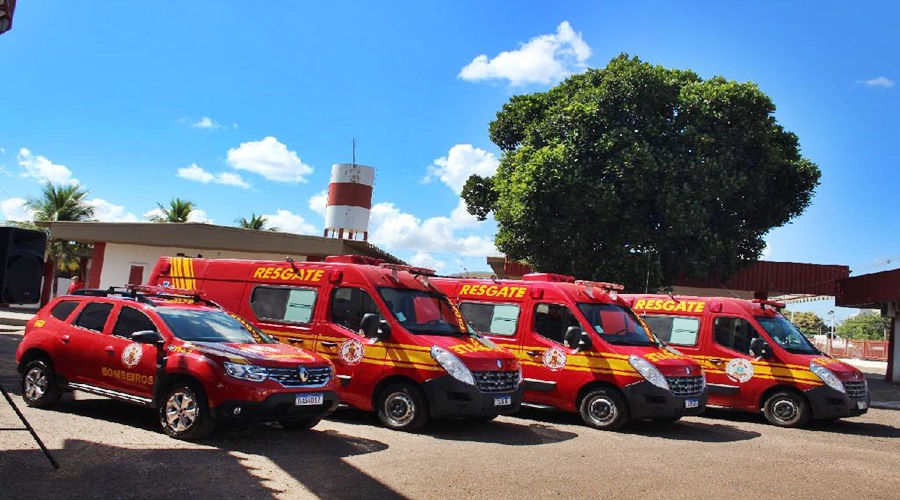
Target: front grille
(685, 386)
(290, 377)
(496, 381)
(856, 389)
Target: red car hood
(257, 354)
(841, 370)
(667, 362)
(478, 354)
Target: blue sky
(243, 107)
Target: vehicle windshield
(616, 324)
(425, 313)
(203, 325)
(786, 335)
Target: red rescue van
(581, 349)
(399, 346)
(755, 359)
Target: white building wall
(118, 259)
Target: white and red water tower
(349, 201)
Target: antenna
(353, 142)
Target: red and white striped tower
(349, 201)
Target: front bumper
(450, 398)
(646, 401)
(277, 407)
(827, 403)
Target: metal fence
(871, 350)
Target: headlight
(827, 376)
(252, 373)
(518, 366)
(648, 371)
(452, 364)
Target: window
(62, 310)
(349, 305)
(734, 333)
(291, 305)
(131, 320)
(675, 330)
(93, 316)
(552, 320)
(496, 319)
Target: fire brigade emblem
(739, 370)
(131, 356)
(352, 352)
(554, 359)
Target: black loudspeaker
(21, 265)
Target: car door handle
(330, 345)
(65, 339)
(295, 341)
(109, 350)
(534, 354)
(716, 361)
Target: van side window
(734, 333)
(496, 319)
(290, 305)
(552, 320)
(675, 330)
(93, 316)
(349, 305)
(131, 320)
(62, 310)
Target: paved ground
(111, 449)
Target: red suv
(174, 351)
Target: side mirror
(147, 337)
(369, 325)
(577, 339)
(384, 330)
(759, 348)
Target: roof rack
(142, 293)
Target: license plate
(309, 399)
(502, 400)
(691, 403)
(861, 405)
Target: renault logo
(304, 374)
(687, 369)
(499, 364)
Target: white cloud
(270, 159)
(15, 209)
(462, 161)
(427, 261)
(109, 212)
(881, 81)
(195, 172)
(544, 59)
(43, 170)
(289, 222)
(319, 202)
(207, 123)
(397, 230)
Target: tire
(39, 386)
(402, 407)
(605, 409)
(184, 413)
(299, 425)
(787, 409)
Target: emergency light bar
(611, 289)
(774, 305)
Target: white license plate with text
(861, 405)
(309, 399)
(691, 403)
(502, 400)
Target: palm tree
(179, 210)
(257, 222)
(62, 203)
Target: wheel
(605, 409)
(787, 409)
(185, 413)
(299, 425)
(39, 387)
(402, 407)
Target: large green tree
(808, 322)
(867, 325)
(62, 203)
(178, 211)
(641, 174)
